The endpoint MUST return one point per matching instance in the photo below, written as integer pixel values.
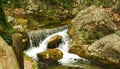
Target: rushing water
(69, 60)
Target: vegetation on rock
(92, 38)
(50, 54)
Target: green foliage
(65, 3)
(99, 34)
(42, 7)
(14, 3)
(88, 2)
(24, 4)
(6, 30)
(52, 11)
(7, 38)
(105, 3)
(7, 35)
(83, 34)
(49, 7)
(54, 2)
(85, 40)
(3, 20)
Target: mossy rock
(22, 21)
(50, 54)
(54, 41)
(29, 63)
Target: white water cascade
(68, 58)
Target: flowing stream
(39, 40)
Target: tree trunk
(17, 47)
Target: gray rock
(8, 59)
(107, 48)
(90, 25)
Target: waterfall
(38, 36)
(64, 46)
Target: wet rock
(80, 50)
(107, 49)
(29, 63)
(54, 41)
(50, 54)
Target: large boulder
(54, 41)
(50, 54)
(90, 25)
(107, 49)
(7, 56)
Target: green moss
(6, 30)
(34, 64)
(26, 57)
(35, 67)
(105, 3)
(99, 34)
(83, 34)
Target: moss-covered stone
(29, 63)
(54, 41)
(50, 54)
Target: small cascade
(68, 58)
(38, 36)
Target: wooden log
(17, 47)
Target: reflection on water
(81, 66)
(77, 65)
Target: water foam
(68, 58)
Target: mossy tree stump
(17, 47)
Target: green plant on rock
(43, 8)
(99, 34)
(54, 2)
(52, 11)
(88, 2)
(105, 3)
(49, 7)
(83, 34)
